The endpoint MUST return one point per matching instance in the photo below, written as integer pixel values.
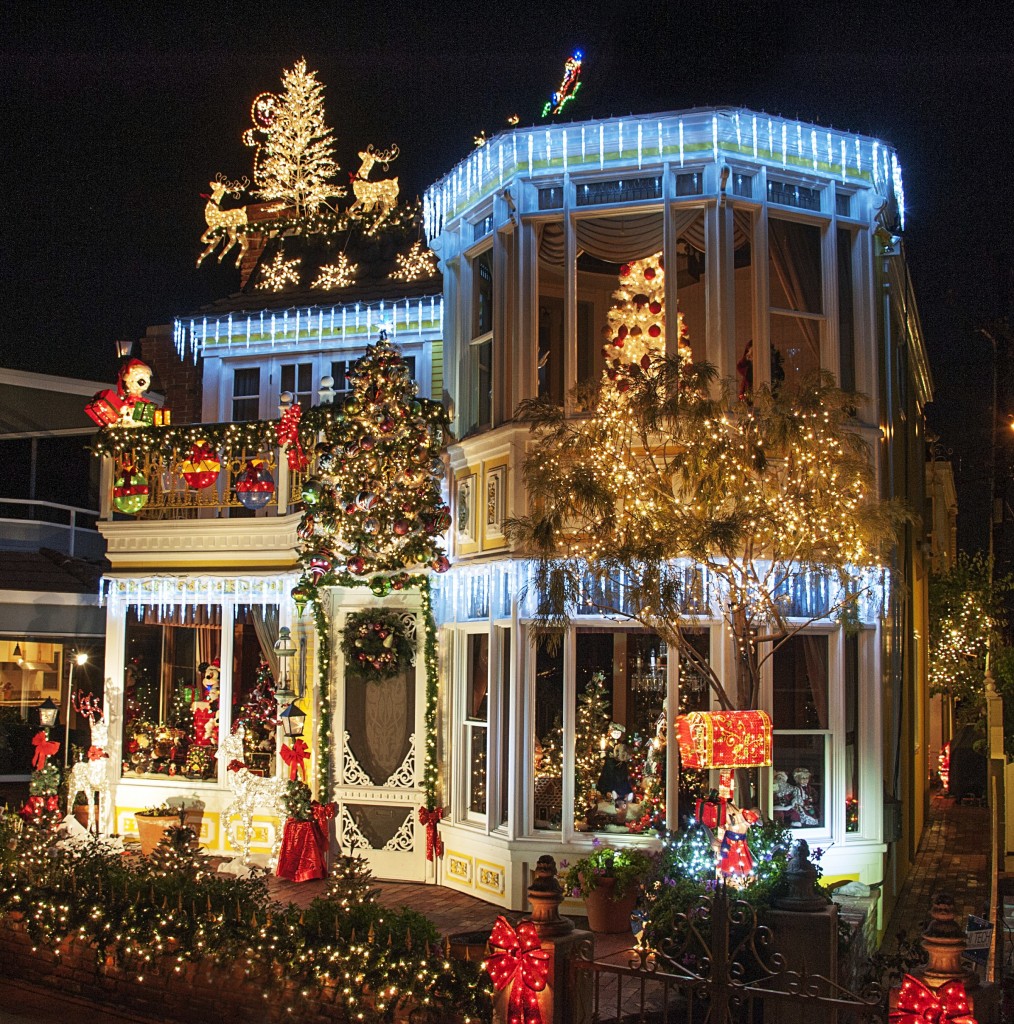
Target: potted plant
(609, 881)
(81, 808)
(153, 823)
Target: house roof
(49, 571)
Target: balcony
(28, 525)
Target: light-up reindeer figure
(377, 197)
(92, 775)
(230, 220)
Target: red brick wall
(178, 379)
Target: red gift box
(711, 813)
(724, 739)
(104, 408)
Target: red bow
(918, 1003)
(429, 818)
(95, 753)
(322, 814)
(287, 435)
(235, 765)
(523, 964)
(44, 747)
(294, 757)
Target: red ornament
(649, 273)
(356, 565)
(655, 307)
(202, 468)
(440, 564)
(523, 965)
(654, 330)
(401, 527)
(622, 332)
(918, 1004)
(645, 361)
(625, 270)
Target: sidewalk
(953, 857)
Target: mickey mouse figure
(205, 710)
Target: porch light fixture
(284, 650)
(123, 348)
(292, 720)
(17, 652)
(47, 713)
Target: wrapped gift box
(724, 739)
(104, 408)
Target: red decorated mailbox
(724, 739)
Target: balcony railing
(28, 524)
(171, 474)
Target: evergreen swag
(376, 644)
(298, 801)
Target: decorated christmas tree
(295, 157)
(374, 514)
(590, 732)
(636, 323)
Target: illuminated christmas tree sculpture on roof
(374, 511)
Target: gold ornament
(378, 197)
(336, 275)
(416, 264)
(278, 273)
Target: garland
(324, 703)
(375, 644)
(430, 772)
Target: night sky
(117, 117)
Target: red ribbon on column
(294, 757)
(287, 435)
(44, 747)
(429, 818)
(917, 1003)
(322, 814)
(523, 964)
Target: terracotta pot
(151, 829)
(607, 913)
(81, 813)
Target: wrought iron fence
(719, 965)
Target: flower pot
(150, 829)
(81, 813)
(607, 913)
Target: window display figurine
(615, 778)
(782, 798)
(803, 813)
(735, 861)
(205, 710)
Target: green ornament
(311, 491)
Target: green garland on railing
(324, 701)
(430, 773)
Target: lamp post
(80, 659)
(284, 650)
(292, 720)
(47, 714)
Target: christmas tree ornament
(356, 565)
(130, 491)
(300, 596)
(311, 491)
(365, 500)
(371, 524)
(320, 565)
(255, 485)
(202, 467)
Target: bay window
(479, 358)
(795, 299)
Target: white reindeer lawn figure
(377, 197)
(92, 775)
(250, 793)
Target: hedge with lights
(171, 909)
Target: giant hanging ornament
(201, 469)
(255, 485)
(130, 491)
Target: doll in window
(205, 710)
(614, 781)
(804, 800)
(782, 794)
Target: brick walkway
(953, 857)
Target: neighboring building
(51, 556)
(782, 235)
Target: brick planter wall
(196, 991)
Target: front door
(379, 749)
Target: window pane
(795, 266)
(506, 754)
(246, 393)
(742, 262)
(477, 770)
(619, 783)
(799, 789)
(478, 677)
(482, 269)
(171, 692)
(691, 283)
(846, 334)
(800, 684)
(795, 349)
(547, 741)
(300, 374)
(253, 685)
(551, 382)
(852, 752)
(482, 385)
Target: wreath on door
(378, 644)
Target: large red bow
(96, 753)
(917, 1003)
(294, 757)
(523, 964)
(287, 435)
(44, 747)
(429, 818)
